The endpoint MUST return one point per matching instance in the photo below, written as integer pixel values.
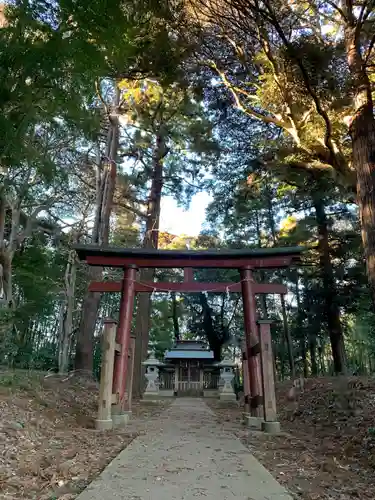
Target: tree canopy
(108, 107)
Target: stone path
(185, 456)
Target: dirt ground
(327, 447)
(49, 448)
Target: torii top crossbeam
(261, 258)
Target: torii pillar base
(271, 427)
(121, 419)
(103, 425)
(252, 422)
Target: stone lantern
(152, 375)
(227, 375)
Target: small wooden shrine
(189, 369)
(193, 368)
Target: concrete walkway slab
(185, 456)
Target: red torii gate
(257, 351)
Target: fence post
(104, 420)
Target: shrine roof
(189, 349)
(188, 354)
(190, 345)
(118, 257)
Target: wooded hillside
(107, 107)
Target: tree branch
(179, 179)
(248, 111)
(131, 209)
(369, 50)
(318, 106)
(32, 220)
(234, 313)
(337, 9)
(99, 94)
(263, 37)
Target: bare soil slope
(49, 448)
(327, 448)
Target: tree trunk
(288, 338)
(275, 373)
(304, 357)
(66, 314)
(105, 187)
(362, 132)
(270, 213)
(176, 327)
(282, 359)
(85, 335)
(312, 349)
(208, 327)
(321, 359)
(151, 240)
(6, 289)
(7, 250)
(4, 268)
(263, 297)
(332, 310)
(300, 328)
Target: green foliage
(53, 59)
(93, 40)
(161, 332)
(285, 66)
(255, 206)
(169, 114)
(267, 160)
(36, 294)
(213, 317)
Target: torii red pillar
(252, 343)
(120, 372)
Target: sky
(176, 220)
